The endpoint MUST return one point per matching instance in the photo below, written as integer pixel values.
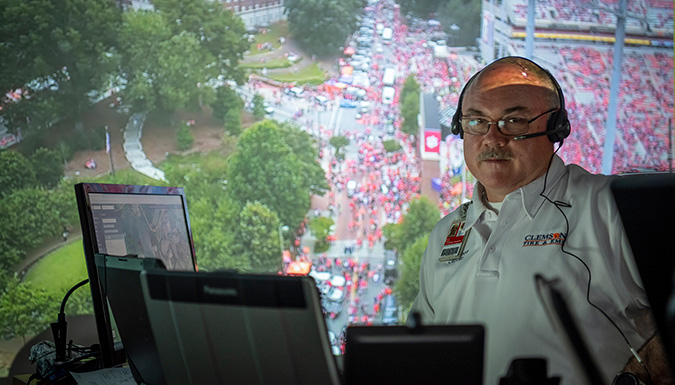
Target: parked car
(338, 281)
(335, 294)
(322, 100)
(297, 92)
(346, 103)
(390, 266)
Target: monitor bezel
(370, 350)
(109, 356)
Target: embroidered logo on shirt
(544, 239)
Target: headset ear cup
(455, 126)
(558, 121)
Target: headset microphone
(528, 136)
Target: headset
(557, 126)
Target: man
(530, 215)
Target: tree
(214, 230)
(48, 167)
(227, 100)
(422, 8)
(421, 217)
(30, 215)
(184, 137)
(164, 71)
(410, 108)
(391, 145)
(410, 86)
(338, 142)
(258, 103)
(320, 228)
(26, 310)
(233, 122)
(258, 238)
(57, 52)
(408, 284)
(305, 148)
(322, 26)
(16, 172)
(464, 14)
(220, 33)
(265, 169)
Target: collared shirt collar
(529, 194)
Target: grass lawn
(60, 270)
(311, 74)
(272, 36)
(280, 62)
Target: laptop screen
(253, 329)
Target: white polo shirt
(493, 283)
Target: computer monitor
(430, 354)
(119, 220)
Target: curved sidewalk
(133, 149)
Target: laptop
(434, 354)
(226, 328)
(121, 283)
(646, 203)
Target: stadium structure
(574, 39)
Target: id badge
(454, 243)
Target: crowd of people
(658, 14)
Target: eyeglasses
(477, 125)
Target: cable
(558, 205)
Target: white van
(389, 76)
(387, 34)
(297, 92)
(322, 100)
(388, 94)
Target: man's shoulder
(578, 175)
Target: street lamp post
(108, 149)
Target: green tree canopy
(258, 103)
(25, 310)
(219, 32)
(464, 14)
(338, 142)
(305, 148)
(163, 70)
(30, 215)
(266, 169)
(57, 52)
(16, 172)
(226, 99)
(410, 108)
(320, 228)
(408, 284)
(421, 217)
(48, 167)
(258, 238)
(321, 26)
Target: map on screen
(150, 226)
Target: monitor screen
(434, 354)
(119, 220)
(149, 225)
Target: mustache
(494, 154)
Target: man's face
(500, 163)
